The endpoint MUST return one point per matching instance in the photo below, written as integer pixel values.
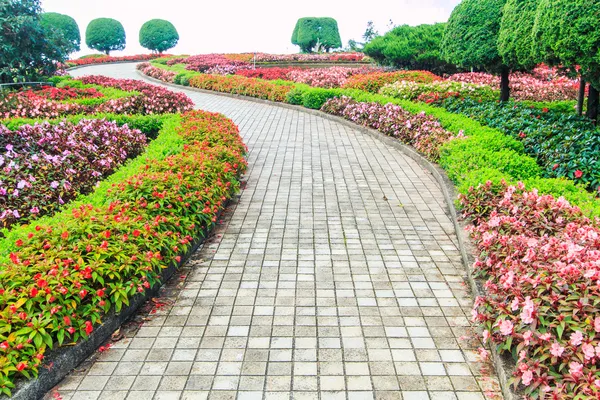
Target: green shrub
(295, 96)
(317, 97)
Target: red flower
(4, 345)
(137, 233)
(104, 244)
(22, 315)
(65, 235)
(545, 110)
(107, 234)
(67, 320)
(39, 356)
(33, 292)
(100, 293)
(578, 174)
(19, 243)
(555, 167)
(71, 330)
(21, 366)
(88, 327)
(83, 293)
(42, 283)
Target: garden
(528, 176)
(104, 183)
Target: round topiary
(65, 25)
(158, 35)
(105, 35)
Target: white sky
(228, 26)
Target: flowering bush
(236, 84)
(564, 145)
(332, 77)
(63, 93)
(526, 86)
(102, 59)
(157, 73)
(444, 89)
(267, 73)
(333, 57)
(540, 260)
(419, 130)
(43, 166)
(153, 100)
(63, 276)
(373, 82)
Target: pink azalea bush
(419, 130)
(204, 62)
(153, 100)
(43, 166)
(526, 86)
(540, 259)
(333, 77)
(156, 73)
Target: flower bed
(204, 62)
(565, 146)
(333, 77)
(142, 99)
(43, 166)
(540, 261)
(372, 83)
(332, 57)
(236, 84)
(157, 73)
(526, 86)
(61, 277)
(419, 130)
(430, 92)
(103, 59)
(267, 73)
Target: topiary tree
(312, 33)
(411, 47)
(66, 25)
(27, 50)
(567, 33)
(158, 35)
(105, 35)
(515, 39)
(471, 39)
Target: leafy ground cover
(61, 275)
(430, 92)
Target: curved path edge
(503, 365)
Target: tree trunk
(592, 105)
(581, 96)
(504, 81)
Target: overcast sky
(226, 26)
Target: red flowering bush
(540, 259)
(332, 57)
(236, 84)
(373, 82)
(153, 100)
(44, 166)
(419, 130)
(64, 275)
(157, 73)
(526, 86)
(108, 59)
(63, 93)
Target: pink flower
(588, 351)
(597, 324)
(575, 369)
(483, 353)
(576, 338)
(486, 336)
(506, 327)
(527, 377)
(527, 337)
(556, 350)
(528, 310)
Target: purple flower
(54, 184)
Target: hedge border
(503, 365)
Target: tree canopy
(471, 38)
(311, 33)
(411, 47)
(158, 35)
(27, 50)
(105, 35)
(515, 39)
(66, 25)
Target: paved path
(335, 275)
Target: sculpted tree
(158, 35)
(105, 35)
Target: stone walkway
(335, 275)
